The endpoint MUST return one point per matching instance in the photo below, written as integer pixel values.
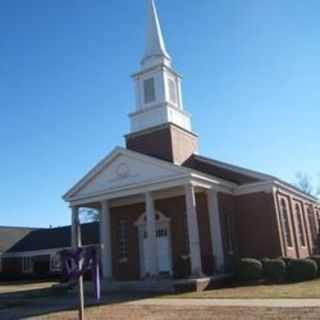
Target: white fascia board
(265, 186)
(131, 190)
(43, 252)
(283, 186)
(91, 174)
(196, 178)
(116, 152)
(269, 187)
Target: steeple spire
(156, 51)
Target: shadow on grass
(45, 301)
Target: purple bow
(78, 261)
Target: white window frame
(149, 90)
(55, 263)
(124, 240)
(27, 265)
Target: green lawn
(303, 290)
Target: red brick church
(161, 202)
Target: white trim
(215, 229)
(163, 222)
(27, 265)
(110, 157)
(55, 264)
(33, 253)
(268, 186)
(43, 252)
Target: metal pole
(80, 280)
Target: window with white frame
(300, 226)
(286, 222)
(55, 263)
(27, 266)
(149, 90)
(123, 240)
(229, 232)
(172, 91)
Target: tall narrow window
(149, 90)
(312, 223)
(55, 263)
(229, 232)
(300, 226)
(123, 240)
(286, 226)
(27, 266)
(172, 91)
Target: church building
(163, 205)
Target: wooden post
(77, 228)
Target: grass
(302, 290)
(24, 300)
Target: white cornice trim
(270, 186)
(110, 157)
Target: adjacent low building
(34, 253)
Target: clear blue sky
(251, 80)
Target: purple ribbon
(78, 261)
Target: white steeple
(157, 85)
(155, 51)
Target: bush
(249, 269)
(316, 259)
(275, 270)
(182, 269)
(286, 260)
(302, 270)
(264, 260)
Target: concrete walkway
(273, 303)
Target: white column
(193, 230)
(75, 228)
(152, 249)
(105, 240)
(215, 229)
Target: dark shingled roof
(54, 238)
(11, 235)
(214, 168)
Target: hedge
(249, 269)
(286, 260)
(302, 270)
(275, 270)
(182, 268)
(316, 259)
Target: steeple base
(167, 142)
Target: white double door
(163, 250)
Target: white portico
(124, 178)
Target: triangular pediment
(122, 169)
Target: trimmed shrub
(286, 260)
(264, 260)
(275, 270)
(302, 270)
(249, 269)
(316, 259)
(182, 269)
